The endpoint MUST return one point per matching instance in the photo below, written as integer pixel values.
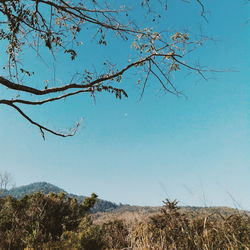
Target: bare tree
(54, 27)
(6, 181)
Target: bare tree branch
(55, 26)
(203, 12)
(41, 127)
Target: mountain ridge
(101, 205)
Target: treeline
(56, 221)
(46, 188)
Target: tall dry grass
(172, 229)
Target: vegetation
(46, 188)
(56, 221)
(38, 218)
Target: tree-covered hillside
(46, 188)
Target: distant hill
(44, 187)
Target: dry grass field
(170, 227)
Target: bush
(38, 218)
(115, 234)
(55, 221)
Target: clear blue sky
(195, 150)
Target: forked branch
(55, 26)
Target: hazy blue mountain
(44, 187)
